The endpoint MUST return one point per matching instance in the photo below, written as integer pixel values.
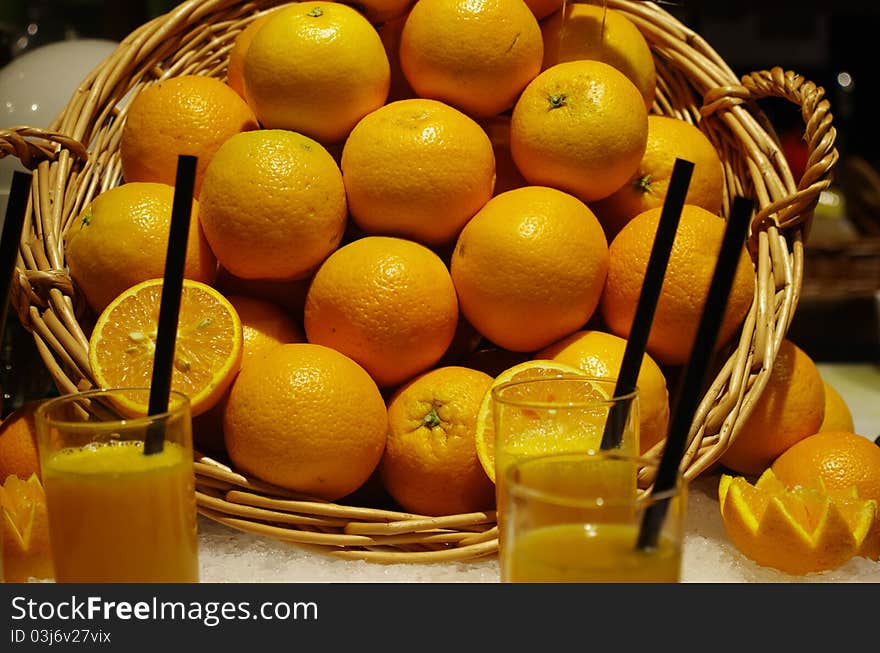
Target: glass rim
(42, 413)
(519, 489)
(531, 403)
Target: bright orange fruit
(306, 418)
(388, 303)
(430, 465)
(207, 351)
(529, 267)
(454, 158)
(189, 114)
(25, 530)
(798, 530)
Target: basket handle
(820, 135)
(33, 146)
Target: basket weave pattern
(78, 157)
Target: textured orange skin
(580, 126)
(190, 114)
(388, 303)
(430, 464)
(583, 31)
(842, 459)
(668, 139)
(121, 238)
(529, 267)
(477, 57)
(306, 418)
(454, 158)
(599, 355)
(790, 408)
(273, 205)
(316, 68)
(685, 285)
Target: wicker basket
(78, 157)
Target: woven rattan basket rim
(77, 158)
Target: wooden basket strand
(77, 157)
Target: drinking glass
(576, 517)
(117, 514)
(563, 413)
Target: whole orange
(306, 418)
(476, 56)
(388, 303)
(789, 409)
(454, 158)
(580, 126)
(584, 31)
(600, 355)
(668, 139)
(838, 416)
(235, 67)
(685, 285)
(121, 238)
(529, 267)
(18, 443)
(430, 463)
(190, 114)
(842, 460)
(273, 205)
(316, 68)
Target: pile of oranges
(393, 205)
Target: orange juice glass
(574, 518)
(558, 414)
(115, 513)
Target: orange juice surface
(588, 553)
(117, 515)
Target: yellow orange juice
(576, 517)
(590, 553)
(117, 515)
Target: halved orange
(525, 371)
(208, 348)
(799, 529)
(25, 530)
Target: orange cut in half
(799, 529)
(207, 353)
(525, 371)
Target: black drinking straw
(169, 308)
(697, 368)
(13, 224)
(673, 204)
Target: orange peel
(797, 530)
